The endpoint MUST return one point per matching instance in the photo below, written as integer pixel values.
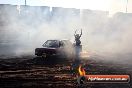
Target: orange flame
(81, 71)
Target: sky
(112, 6)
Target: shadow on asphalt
(49, 61)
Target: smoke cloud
(22, 31)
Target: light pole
(126, 5)
(25, 2)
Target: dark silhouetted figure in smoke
(77, 38)
(78, 46)
(78, 49)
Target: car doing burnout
(58, 48)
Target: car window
(66, 43)
(62, 44)
(51, 43)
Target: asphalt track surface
(36, 72)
